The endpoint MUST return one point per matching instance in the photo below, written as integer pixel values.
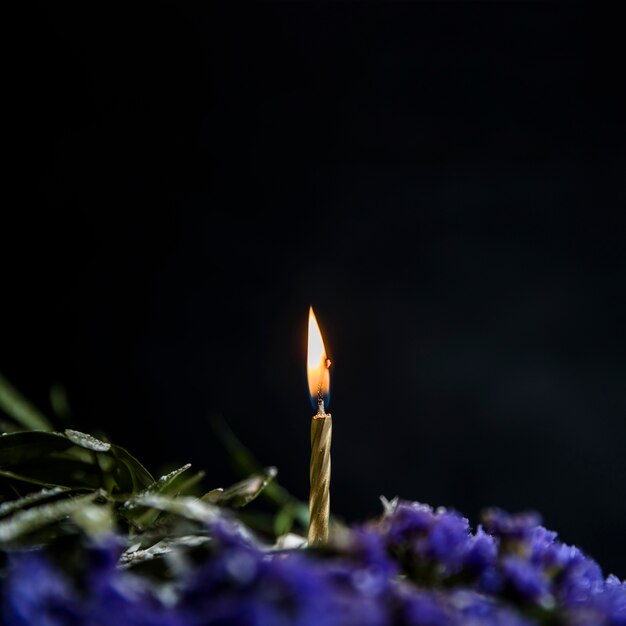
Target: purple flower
(418, 607)
(427, 543)
(510, 527)
(580, 579)
(414, 567)
(368, 548)
(527, 581)
(457, 607)
(606, 608)
(407, 520)
(447, 541)
(473, 609)
(242, 585)
(37, 593)
(482, 551)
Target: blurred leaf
(245, 463)
(136, 512)
(59, 402)
(259, 521)
(289, 509)
(94, 519)
(134, 555)
(136, 477)
(87, 441)
(188, 507)
(243, 492)
(73, 460)
(186, 486)
(64, 470)
(288, 515)
(163, 483)
(16, 448)
(32, 498)
(25, 522)
(8, 426)
(12, 476)
(16, 406)
(242, 458)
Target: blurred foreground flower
(414, 566)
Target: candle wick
(320, 404)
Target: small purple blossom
(39, 593)
(437, 540)
(482, 551)
(510, 527)
(52, 601)
(528, 582)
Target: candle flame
(317, 363)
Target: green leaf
(59, 402)
(283, 522)
(246, 464)
(243, 492)
(12, 476)
(87, 441)
(16, 406)
(163, 483)
(136, 513)
(94, 519)
(186, 487)
(135, 477)
(30, 520)
(32, 498)
(134, 555)
(189, 507)
(25, 446)
(72, 460)
(63, 470)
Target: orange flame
(317, 362)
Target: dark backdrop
(443, 182)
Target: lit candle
(321, 431)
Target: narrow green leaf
(185, 487)
(162, 484)
(283, 521)
(63, 470)
(136, 513)
(135, 555)
(59, 402)
(16, 406)
(32, 498)
(26, 479)
(243, 492)
(16, 448)
(158, 486)
(96, 520)
(25, 522)
(87, 441)
(245, 463)
(184, 506)
(140, 477)
(288, 515)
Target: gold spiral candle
(321, 430)
(319, 498)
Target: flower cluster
(510, 557)
(413, 567)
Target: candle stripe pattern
(319, 500)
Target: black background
(443, 182)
